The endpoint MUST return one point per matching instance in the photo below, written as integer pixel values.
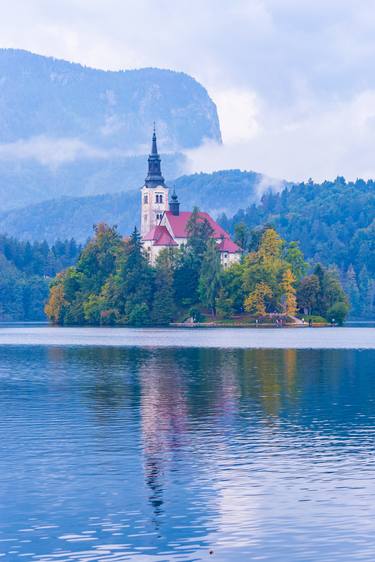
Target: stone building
(163, 225)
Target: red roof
(227, 245)
(179, 223)
(160, 236)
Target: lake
(187, 445)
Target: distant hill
(334, 223)
(67, 129)
(74, 216)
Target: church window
(145, 199)
(160, 198)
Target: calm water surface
(184, 453)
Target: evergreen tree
(295, 259)
(210, 276)
(241, 235)
(135, 281)
(352, 291)
(307, 294)
(164, 310)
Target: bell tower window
(145, 199)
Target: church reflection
(164, 414)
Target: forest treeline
(334, 223)
(113, 282)
(26, 270)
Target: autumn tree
(289, 293)
(255, 302)
(54, 308)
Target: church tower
(154, 194)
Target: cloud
(238, 113)
(53, 152)
(321, 142)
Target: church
(163, 225)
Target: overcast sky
(294, 80)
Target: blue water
(151, 454)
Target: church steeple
(154, 176)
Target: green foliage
(114, 284)
(163, 308)
(25, 273)
(338, 312)
(210, 276)
(294, 256)
(334, 223)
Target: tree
(164, 309)
(289, 293)
(134, 279)
(266, 266)
(241, 235)
(231, 295)
(54, 308)
(99, 258)
(210, 276)
(307, 293)
(295, 259)
(338, 312)
(255, 302)
(189, 262)
(352, 290)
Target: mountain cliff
(68, 129)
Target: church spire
(154, 176)
(154, 148)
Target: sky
(293, 80)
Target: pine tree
(164, 310)
(352, 290)
(210, 277)
(241, 235)
(135, 282)
(294, 257)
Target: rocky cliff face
(58, 118)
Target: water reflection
(166, 454)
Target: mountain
(74, 216)
(68, 129)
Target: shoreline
(243, 325)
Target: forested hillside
(74, 216)
(25, 272)
(334, 223)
